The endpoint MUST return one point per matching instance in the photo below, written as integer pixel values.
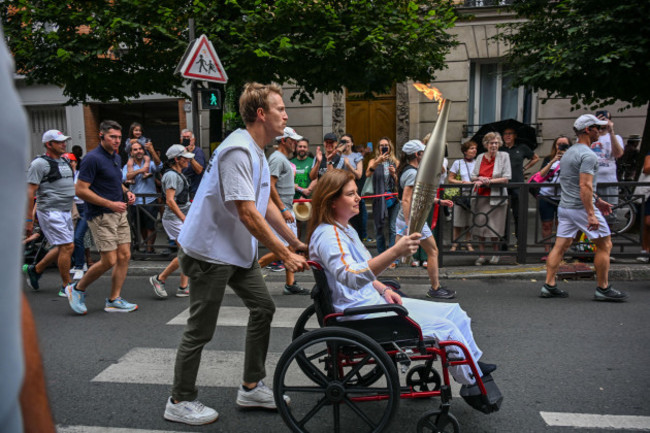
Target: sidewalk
(456, 268)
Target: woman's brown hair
(328, 189)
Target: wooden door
(370, 119)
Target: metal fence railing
(626, 224)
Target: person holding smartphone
(194, 171)
(383, 170)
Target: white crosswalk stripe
(94, 429)
(238, 316)
(594, 421)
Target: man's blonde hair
(254, 96)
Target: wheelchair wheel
(622, 218)
(318, 371)
(435, 421)
(422, 378)
(301, 324)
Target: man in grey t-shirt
(51, 180)
(282, 192)
(580, 210)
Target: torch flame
(432, 93)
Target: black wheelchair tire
(332, 389)
(434, 421)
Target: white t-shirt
(464, 168)
(606, 162)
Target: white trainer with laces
(189, 412)
(260, 396)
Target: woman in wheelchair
(352, 272)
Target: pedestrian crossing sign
(202, 63)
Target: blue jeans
(78, 256)
(381, 240)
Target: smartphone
(384, 150)
(185, 142)
(369, 144)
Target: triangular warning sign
(202, 63)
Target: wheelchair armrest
(383, 308)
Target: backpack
(400, 190)
(54, 174)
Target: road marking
(238, 316)
(219, 368)
(94, 429)
(587, 420)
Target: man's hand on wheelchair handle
(295, 263)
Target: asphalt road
(556, 358)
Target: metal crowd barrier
(626, 224)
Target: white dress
(345, 261)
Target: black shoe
(609, 294)
(552, 292)
(32, 276)
(441, 293)
(486, 368)
(295, 289)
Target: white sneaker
(494, 260)
(158, 286)
(480, 261)
(260, 396)
(643, 259)
(78, 274)
(189, 412)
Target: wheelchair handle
(314, 265)
(384, 308)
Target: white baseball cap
(289, 133)
(54, 135)
(176, 150)
(413, 146)
(586, 120)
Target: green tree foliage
(319, 46)
(593, 51)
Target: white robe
(345, 261)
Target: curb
(618, 272)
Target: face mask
(185, 142)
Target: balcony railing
(485, 3)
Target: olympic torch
(427, 179)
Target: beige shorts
(110, 230)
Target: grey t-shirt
(406, 179)
(57, 195)
(579, 158)
(177, 182)
(280, 167)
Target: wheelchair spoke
(321, 403)
(319, 377)
(334, 351)
(360, 413)
(337, 418)
(355, 370)
(303, 389)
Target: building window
(491, 97)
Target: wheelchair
(343, 375)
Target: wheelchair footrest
(485, 403)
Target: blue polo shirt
(104, 173)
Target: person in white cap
(580, 209)
(412, 152)
(51, 179)
(176, 191)
(282, 190)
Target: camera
(185, 142)
(562, 147)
